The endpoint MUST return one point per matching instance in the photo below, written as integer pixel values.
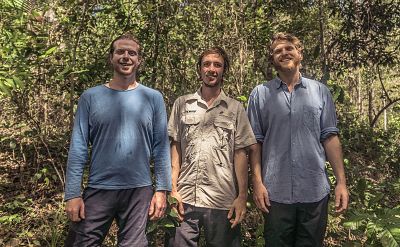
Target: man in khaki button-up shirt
(210, 133)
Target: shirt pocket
(190, 126)
(311, 118)
(224, 128)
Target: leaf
(166, 222)
(172, 200)
(242, 98)
(49, 52)
(395, 231)
(387, 239)
(13, 144)
(173, 213)
(354, 225)
(151, 227)
(10, 83)
(36, 14)
(80, 71)
(63, 73)
(37, 176)
(4, 89)
(18, 82)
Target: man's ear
(198, 73)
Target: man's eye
(206, 64)
(119, 52)
(132, 53)
(218, 65)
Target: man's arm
(176, 154)
(239, 204)
(334, 155)
(162, 161)
(260, 193)
(77, 158)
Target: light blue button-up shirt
(291, 127)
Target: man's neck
(119, 82)
(209, 94)
(290, 78)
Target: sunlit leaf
(49, 52)
(4, 89)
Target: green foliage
(13, 212)
(167, 223)
(51, 51)
(380, 224)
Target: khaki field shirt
(208, 137)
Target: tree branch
(373, 122)
(383, 87)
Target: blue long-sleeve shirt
(292, 127)
(126, 130)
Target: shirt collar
(302, 83)
(197, 96)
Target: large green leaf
(387, 239)
(4, 89)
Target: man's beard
(212, 85)
(296, 64)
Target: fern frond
(387, 239)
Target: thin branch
(383, 86)
(373, 122)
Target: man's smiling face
(125, 59)
(285, 56)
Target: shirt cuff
(327, 132)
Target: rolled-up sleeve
(328, 116)
(244, 136)
(254, 114)
(174, 122)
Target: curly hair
(284, 37)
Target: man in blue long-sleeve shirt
(125, 123)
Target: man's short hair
(281, 36)
(125, 36)
(214, 50)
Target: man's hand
(75, 209)
(341, 198)
(178, 207)
(239, 209)
(158, 205)
(260, 196)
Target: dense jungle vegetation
(52, 50)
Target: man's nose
(212, 68)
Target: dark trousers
(217, 229)
(298, 224)
(129, 207)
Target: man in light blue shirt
(125, 123)
(294, 121)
